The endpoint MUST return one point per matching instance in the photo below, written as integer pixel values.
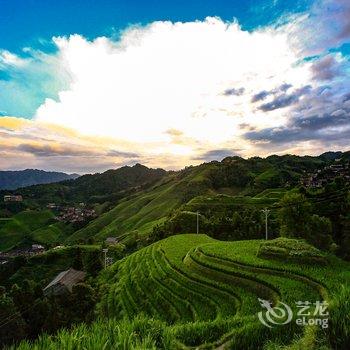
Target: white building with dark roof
(13, 198)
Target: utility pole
(267, 213)
(105, 250)
(197, 222)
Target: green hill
(234, 181)
(21, 226)
(143, 211)
(93, 188)
(192, 292)
(193, 278)
(138, 198)
(11, 180)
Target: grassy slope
(54, 233)
(198, 290)
(21, 226)
(147, 208)
(143, 211)
(184, 261)
(220, 200)
(275, 193)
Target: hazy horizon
(167, 169)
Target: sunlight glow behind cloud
(172, 76)
(185, 91)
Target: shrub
(291, 250)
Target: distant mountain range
(138, 198)
(11, 180)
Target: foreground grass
(193, 292)
(141, 333)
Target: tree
(92, 262)
(83, 301)
(117, 251)
(30, 293)
(297, 221)
(320, 229)
(294, 216)
(77, 263)
(345, 242)
(13, 327)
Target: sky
(90, 85)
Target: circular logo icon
(279, 315)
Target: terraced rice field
(207, 292)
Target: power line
(312, 201)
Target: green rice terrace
(193, 292)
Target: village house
(72, 214)
(38, 248)
(64, 282)
(322, 177)
(34, 249)
(111, 240)
(13, 198)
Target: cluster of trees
(322, 220)
(297, 220)
(258, 173)
(227, 224)
(7, 209)
(25, 312)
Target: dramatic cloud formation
(328, 67)
(172, 94)
(324, 116)
(169, 76)
(284, 100)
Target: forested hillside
(152, 202)
(188, 263)
(11, 180)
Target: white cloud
(172, 76)
(25, 81)
(9, 59)
(173, 94)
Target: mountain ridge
(14, 179)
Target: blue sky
(91, 85)
(27, 22)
